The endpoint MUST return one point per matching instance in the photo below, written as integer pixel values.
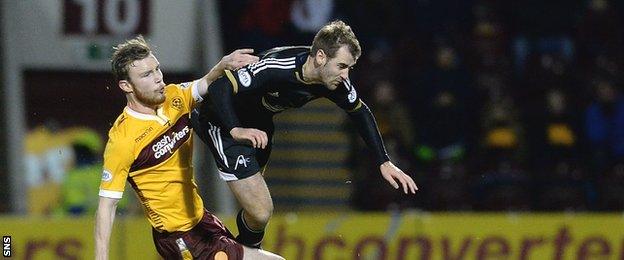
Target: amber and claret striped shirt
(154, 154)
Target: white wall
(33, 39)
(37, 35)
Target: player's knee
(261, 216)
(264, 215)
(263, 212)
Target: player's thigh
(252, 192)
(234, 160)
(254, 253)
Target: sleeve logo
(244, 77)
(106, 176)
(352, 95)
(177, 103)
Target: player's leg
(238, 165)
(250, 253)
(253, 195)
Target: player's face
(147, 82)
(336, 69)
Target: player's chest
(290, 96)
(158, 139)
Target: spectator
(604, 125)
(501, 182)
(442, 106)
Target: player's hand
(391, 172)
(257, 138)
(238, 59)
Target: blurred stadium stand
(498, 95)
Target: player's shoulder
(279, 62)
(173, 88)
(284, 52)
(121, 129)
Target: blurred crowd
(490, 105)
(63, 168)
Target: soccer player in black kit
(237, 120)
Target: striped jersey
(276, 83)
(153, 154)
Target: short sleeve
(190, 92)
(117, 160)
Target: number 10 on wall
(106, 17)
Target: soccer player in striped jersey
(150, 147)
(237, 123)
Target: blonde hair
(333, 36)
(127, 52)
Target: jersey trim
(230, 76)
(159, 117)
(195, 92)
(270, 107)
(359, 104)
(301, 79)
(111, 194)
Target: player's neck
(140, 107)
(310, 74)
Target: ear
(125, 86)
(320, 57)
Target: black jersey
(275, 83)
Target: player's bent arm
(221, 92)
(104, 218)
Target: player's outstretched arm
(104, 218)
(232, 61)
(367, 127)
(392, 174)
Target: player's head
(137, 72)
(335, 50)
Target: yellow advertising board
(355, 236)
(448, 236)
(72, 238)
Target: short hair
(127, 52)
(333, 36)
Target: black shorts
(205, 240)
(234, 160)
